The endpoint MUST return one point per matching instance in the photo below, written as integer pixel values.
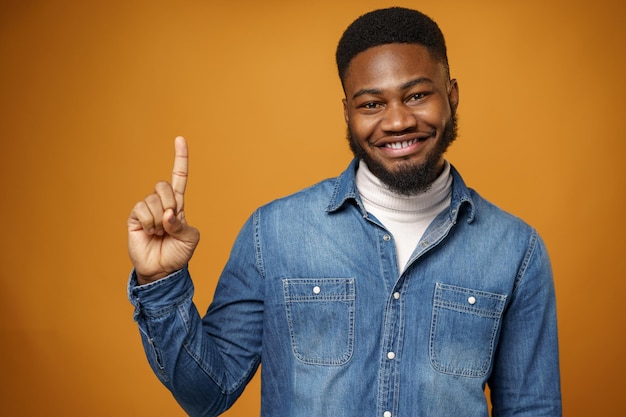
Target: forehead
(393, 64)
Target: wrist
(147, 279)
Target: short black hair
(386, 26)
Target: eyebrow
(405, 86)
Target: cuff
(163, 294)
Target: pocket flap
(481, 303)
(319, 289)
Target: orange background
(94, 92)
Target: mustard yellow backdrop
(94, 92)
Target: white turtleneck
(405, 217)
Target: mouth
(404, 146)
(401, 144)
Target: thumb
(173, 225)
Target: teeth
(400, 145)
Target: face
(400, 110)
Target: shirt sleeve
(525, 381)
(205, 362)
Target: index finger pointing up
(180, 171)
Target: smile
(401, 145)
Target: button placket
(391, 345)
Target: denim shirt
(313, 292)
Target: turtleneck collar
(376, 195)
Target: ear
(345, 111)
(453, 95)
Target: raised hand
(159, 239)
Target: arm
(525, 380)
(204, 364)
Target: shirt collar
(345, 191)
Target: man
(392, 290)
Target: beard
(409, 179)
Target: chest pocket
(463, 329)
(320, 314)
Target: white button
(387, 414)
(471, 300)
(396, 295)
(391, 355)
(387, 238)
(316, 290)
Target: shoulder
(481, 212)
(490, 215)
(323, 197)
(311, 197)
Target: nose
(398, 118)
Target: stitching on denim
(258, 251)
(532, 245)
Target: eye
(417, 97)
(370, 105)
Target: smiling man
(392, 290)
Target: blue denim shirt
(313, 292)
